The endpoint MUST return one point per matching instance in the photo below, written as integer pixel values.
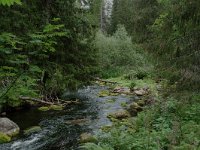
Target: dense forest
(143, 53)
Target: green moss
(4, 138)
(32, 130)
(43, 108)
(106, 128)
(87, 137)
(56, 107)
(141, 102)
(14, 133)
(103, 93)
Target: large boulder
(8, 127)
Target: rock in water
(31, 130)
(8, 127)
(121, 114)
(87, 137)
(140, 92)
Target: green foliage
(132, 85)
(44, 49)
(92, 146)
(136, 16)
(118, 52)
(162, 126)
(9, 2)
(169, 30)
(176, 34)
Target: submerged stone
(31, 130)
(103, 93)
(56, 107)
(110, 101)
(78, 121)
(43, 108)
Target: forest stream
(62, 129)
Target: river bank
(65, 127)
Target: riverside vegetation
(149, 48)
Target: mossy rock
(56, 107)
(141, 102)
(8, 127)
(4, 138)
(121, 114)
(44, 108)
(14, 133)
(31, 130)
(135, 106)
(87, 138)
(103, 93)
(106, 128)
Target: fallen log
(36, 100)
(64, 103)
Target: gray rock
(8, 127)
(140, 92)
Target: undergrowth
(171, 123)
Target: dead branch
(64, 103)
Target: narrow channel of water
(59, 132)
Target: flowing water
(59, 132)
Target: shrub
(132, 85)
(118, 51)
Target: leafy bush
(132, 85)
(141, 74)
(118, 51)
